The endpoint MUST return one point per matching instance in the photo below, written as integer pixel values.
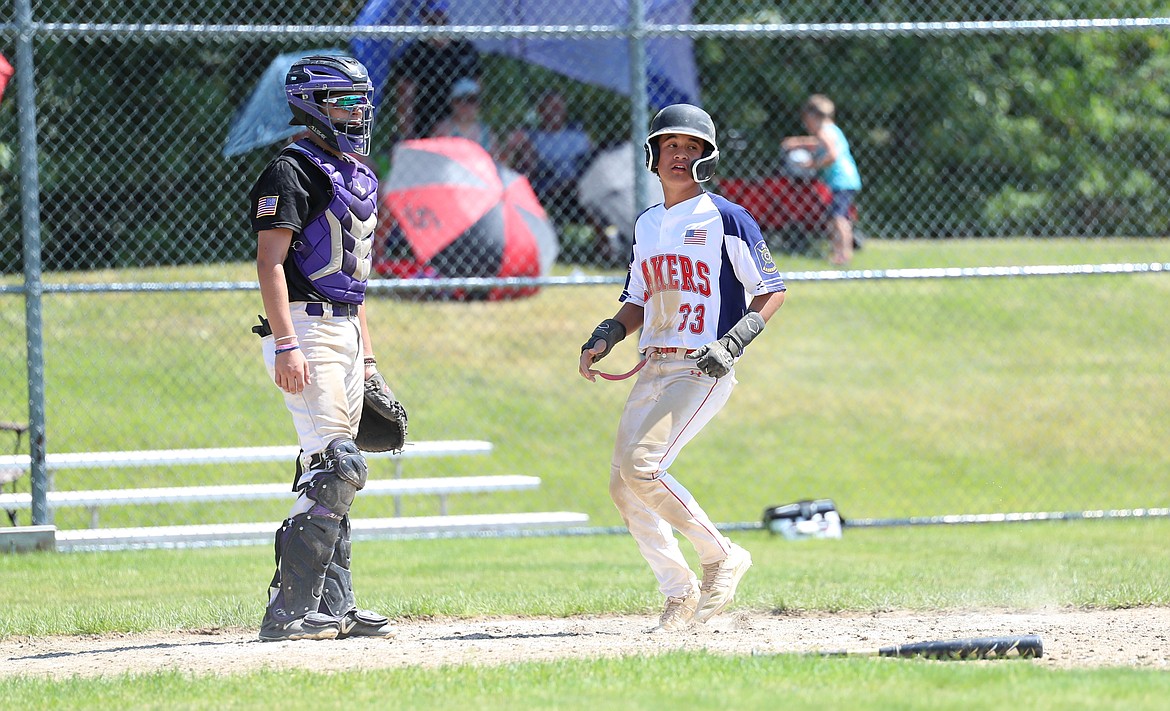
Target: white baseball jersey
(695, 267)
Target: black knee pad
(349, 462)
(339, 473)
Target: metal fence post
(638, 99)
(30, 218)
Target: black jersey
(289, 194)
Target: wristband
(743, 333)
(611, 331)
(286, 349)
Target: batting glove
(716, 358)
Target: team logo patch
(696, 236)
(767, 266)
(266, 206)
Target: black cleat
(364, 623)
(312, 626)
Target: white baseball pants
(330, 406)
(669, 404)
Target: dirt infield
(1072, 639)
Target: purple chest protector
(333, 250)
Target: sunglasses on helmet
(349, 101)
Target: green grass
(679, 680)
(1107, 564)
(894, 398)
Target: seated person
(421, 79)
(553, 155)
(464, 119)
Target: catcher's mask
(316, 84)
(686, 120)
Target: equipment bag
(804, 519)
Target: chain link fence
(994, 134)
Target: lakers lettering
(676, 272)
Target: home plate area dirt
(1137, 637)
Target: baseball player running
(701, 286)
(313, 209)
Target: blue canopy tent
(263, 119)
(671, 73)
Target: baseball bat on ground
(1008, 647)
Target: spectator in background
(425, 73)
(553, 154)
(464, 119)
(834, 163)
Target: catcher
(314, 208)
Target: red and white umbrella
(463, 215)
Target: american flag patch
(695, 237)
(266, 206)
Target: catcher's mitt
(383, 424)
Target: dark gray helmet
(687, 120)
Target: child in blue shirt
(834, 163)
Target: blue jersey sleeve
(738, 223)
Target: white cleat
(679, 612)
(720, 581)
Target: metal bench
(441, 486)
(95, 538)
(91, 539)
(231, 455)
(11, 474)
(218, 455)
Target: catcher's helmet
(689, 121)
(314, 84)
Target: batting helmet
(689, 121)
(313, 85)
